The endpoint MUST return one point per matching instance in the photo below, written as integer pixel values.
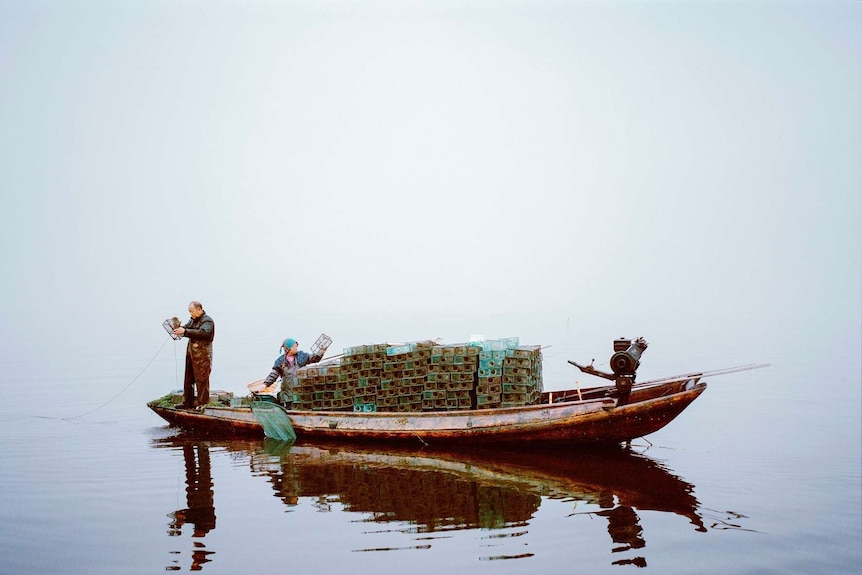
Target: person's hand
(180, 331)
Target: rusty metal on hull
(595, 419)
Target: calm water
(760, 475)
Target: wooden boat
(573, 417)
(606, 414)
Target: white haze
(402, 170)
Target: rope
(176, 369)
(128, 386)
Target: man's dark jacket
(200, 332)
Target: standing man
(200, 330)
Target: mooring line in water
(152, 359)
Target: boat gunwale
(494, 424)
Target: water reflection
(439, 492)
(431, 493)
(200, 509)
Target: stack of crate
(451, 379)
(489, 380)
(508, 374)
(363, 375)
(343, 383)
(423, 376)
(521, 376)
(321, 386)
(404, 369)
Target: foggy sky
(627, 165)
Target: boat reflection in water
(199, 512)
(444, 491)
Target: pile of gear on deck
(423, 376)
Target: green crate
(399, 349)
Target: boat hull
(596, 419)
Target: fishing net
(274, 420)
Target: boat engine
(627, 356)
(624, 364)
